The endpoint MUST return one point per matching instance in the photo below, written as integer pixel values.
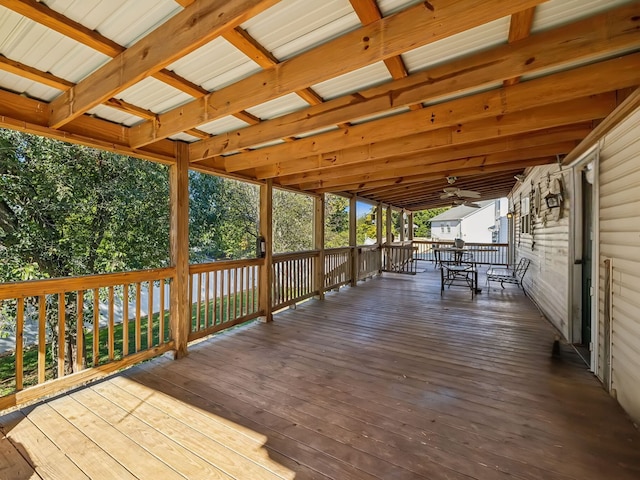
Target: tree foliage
(336, 215)
(422, 220)
(72, 210)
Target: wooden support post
(389, 225)
(410, 226)
(353, 241)
(318, 244)
(180, 304)
(379, 238)
(266, 231)
(402, 226)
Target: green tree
(336, 212)
(422, 220)
(68, 210)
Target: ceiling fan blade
(468, 193)
(451, 190)
(471, 204)
(444, 196)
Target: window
(448, 228)
(525, 215)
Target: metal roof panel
(464, 43)
(555, 13)
(114, 115)
(293, 26)
(14, 83)
(215, 65)
(222, 125)
(154, 95)
(278, 106)
(354, 81)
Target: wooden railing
(484, 253)
(70, 330)
(293, 278)
(399, 258)
(337, 267)
(223, 294)
(369, 261)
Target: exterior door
(587, 260)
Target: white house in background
(500, 231)
(473, 225)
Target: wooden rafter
(385, 38)
(153, 53)
(434, 154)
(519, 28)
(446, 168)
(609, 32)
(576, 83)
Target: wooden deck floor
(384, 381)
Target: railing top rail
(34, 288)
(283, 257)
(336, 250)
(224, 264)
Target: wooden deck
(384, 381)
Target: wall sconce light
(553, 200)
(509, 214)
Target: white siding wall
(620, 241)
(546, 281)
(475, 227)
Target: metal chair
(509, 274)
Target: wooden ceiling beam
(363, 187)
(603, 34)
(31, 116)
(519, 28)
(30, 73)
(589, 80)
(453, 167)
(195, 26)
(438, 158)
(385, 38)
(400, 157)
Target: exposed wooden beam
(519, 28)
(25, 71)
(445, 168)
(129, 108)
(244, 42)
(385, 38)
(434, 154)
(196, 25)
(622, 111)
(609, 32)
(42, 14)
(31, 116)
(580, 82)
(368, 13)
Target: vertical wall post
(402, 226)
(180, 305)
(389, 225)
(353, 241)
(318, 243)
(266, 231)
(410, 226)
(379, 238)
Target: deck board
(388, 380)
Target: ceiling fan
(457, 192)
(465, 203)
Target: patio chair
(509, 274)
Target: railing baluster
(110, 329)
(42, 346)
(19, 366)
(138, 317)
(80, 331)
(96, 326)
(221, 310)
(206, 299)
(161, 313)
(61, 334)
(150, 315)
(198, 301)
(125, 320)
(214, 307)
